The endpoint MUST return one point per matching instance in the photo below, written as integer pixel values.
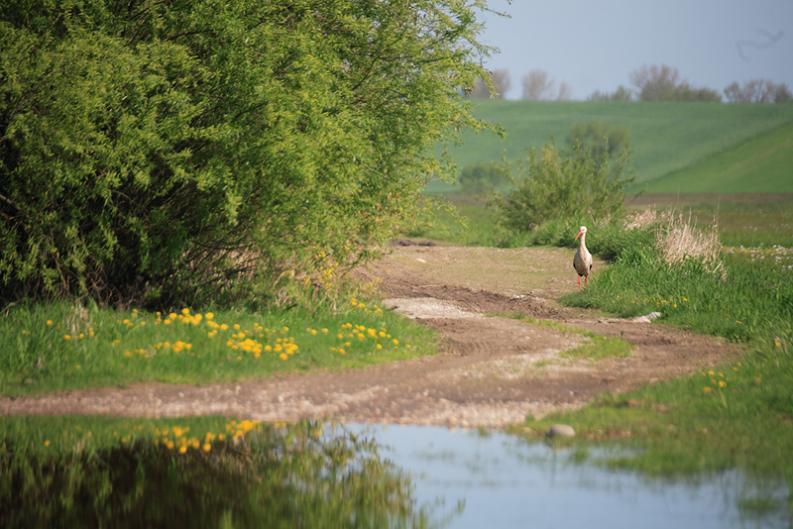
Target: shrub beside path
(492, 370)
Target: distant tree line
(537, 85)
(757, 91)
(650, 83)
(664, 83)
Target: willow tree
(156, 150)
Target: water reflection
(219, 473)
(81, 472)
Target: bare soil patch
(492, 370)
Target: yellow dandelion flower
(182, 449)
(46, 442)
(178, 431)
(285, 329)
(268, 348)
(324, 330)
(67, 337)
(707, 389)
(49, 323)
(209, 316)
(185, 311)
(283, 356)
(722, 384)
(378, 346)
(395, 341)
(207, 447)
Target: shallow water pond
(498, 480)
(220, 473)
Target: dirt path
(492, 371)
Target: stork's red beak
(579, 235)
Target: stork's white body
(582, 261)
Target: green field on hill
(666, 139)
(762, 164)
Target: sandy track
(492, 370)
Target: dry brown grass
(645, 217)
(680, 239)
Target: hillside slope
(762, 164)
(665, 137)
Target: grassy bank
(46, 347)
(737, 415)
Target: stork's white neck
(582, 240)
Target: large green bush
(583, 185)
(164, 150)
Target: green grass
(596, 346)
(473, 221)
(46, 347)
(464, 220)
(737, 415)
(665, 137)
(759, 164)
(760, 222)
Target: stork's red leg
(579, 281)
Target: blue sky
(596, 44)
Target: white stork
(582, 261)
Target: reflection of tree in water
(269, 478)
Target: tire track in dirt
(492, 371)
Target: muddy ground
(492, 370)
